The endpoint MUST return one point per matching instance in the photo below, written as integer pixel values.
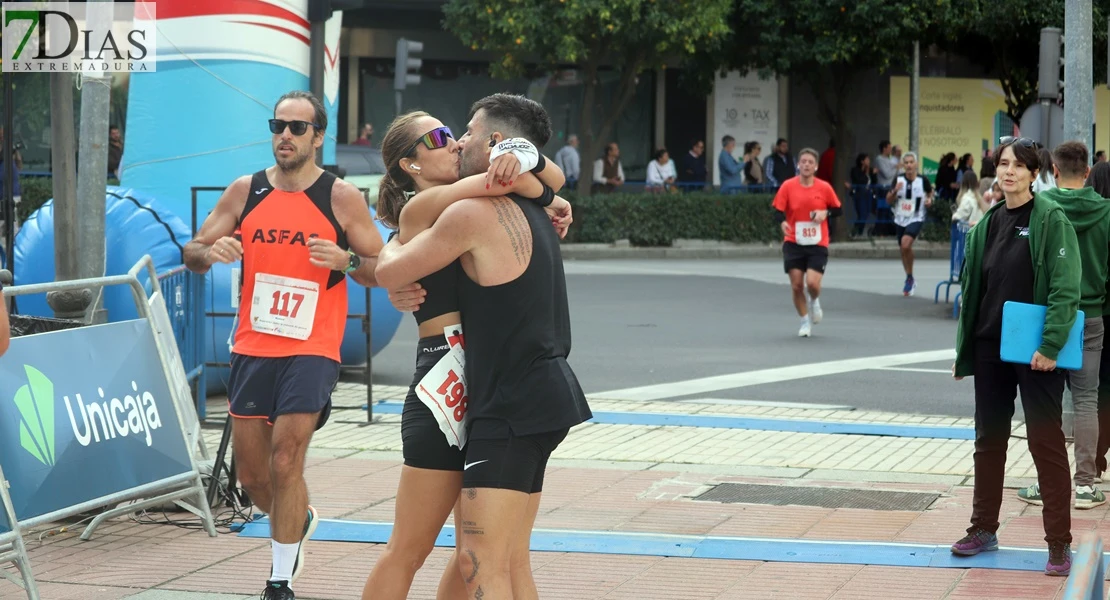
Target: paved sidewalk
(616, 478)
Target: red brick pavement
(125, 557)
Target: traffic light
(1051, 59)
(407, 70)
(321, 10)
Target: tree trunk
(1016, 100)
(588, 150)
(832, 87)
(592, 143)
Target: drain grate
(777, 495)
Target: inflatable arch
(199, 120)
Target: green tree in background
(1007, 44)
(827, 44)
(631, 35)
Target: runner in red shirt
(803, 206)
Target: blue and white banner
(84, 414)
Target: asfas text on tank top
(517, 342)
(288, 307)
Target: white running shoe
(805, 329)
(815, 312)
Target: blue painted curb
(885, 554)
(726, 422)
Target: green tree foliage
(1006, 43)
(826, 44)
(631, 35)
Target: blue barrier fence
(955, 259)
(955, 266)
(184, 294)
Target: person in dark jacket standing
(1023, 250)
(1089, 213)
(693, 167)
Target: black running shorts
(423, 444)
(266, 388)
(804, 258)
(512, 463)
(913, 230)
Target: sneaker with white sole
(909, 287)
(1031, 494)
(815, 312)
(805, 330)
(309, 528)
(1088, 496)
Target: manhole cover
(778, 495)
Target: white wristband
(522, 149)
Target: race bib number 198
(443, 390)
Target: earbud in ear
(415, 167)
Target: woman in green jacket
(1023, 250)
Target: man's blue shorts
(266, 388)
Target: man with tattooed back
(523, 396)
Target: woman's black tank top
(443, 292)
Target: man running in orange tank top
(299, 232)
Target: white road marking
(768, 403)
(706, 385)
(914, 370)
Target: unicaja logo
(114, 418)
(105, 419)
(35, 402)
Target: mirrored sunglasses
(433, 140)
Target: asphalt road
(656, 325)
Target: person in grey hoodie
(1089, 213)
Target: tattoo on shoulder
(516, 226)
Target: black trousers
(1103, 406)
(996, 387)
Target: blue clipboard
(1023, 332)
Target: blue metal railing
(955, 259)
(184, 294)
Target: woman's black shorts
(423, 444)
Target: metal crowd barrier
(130, 449)
(12, 548)
(955, 260)
(1088, 570)
(183, 292)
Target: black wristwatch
(354, 263)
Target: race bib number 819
(807, 233)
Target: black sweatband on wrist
(547, 197)
(540, 166)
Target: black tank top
(517, 343)
(442, 288)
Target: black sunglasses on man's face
(295, 127)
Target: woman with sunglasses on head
(1023, 250)
(421, 158)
